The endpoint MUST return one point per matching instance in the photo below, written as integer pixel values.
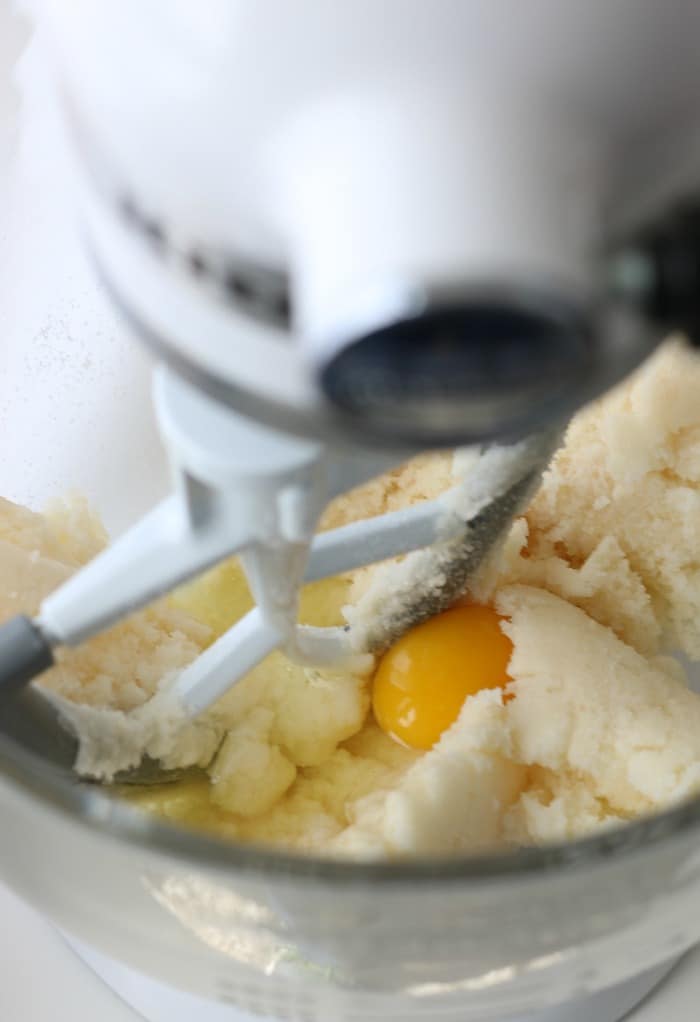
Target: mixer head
(385, 230)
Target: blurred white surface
(75, 409)
(41, 978)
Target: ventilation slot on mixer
(255, 290)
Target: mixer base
(156, 1002)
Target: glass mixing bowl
(310, 939)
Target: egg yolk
(421, 682)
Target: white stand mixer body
(360, 162)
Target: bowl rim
(102, 811)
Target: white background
(40, 977)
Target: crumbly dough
(596, 583)
(121, 668)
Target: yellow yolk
(422, 681)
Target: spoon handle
(25, 652)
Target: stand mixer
(450, 232)
(352, 258)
